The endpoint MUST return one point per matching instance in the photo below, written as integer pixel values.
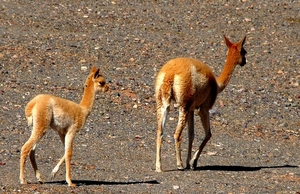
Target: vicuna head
(97, 79)
(236, 51)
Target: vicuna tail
(166, 94)
(28, 111)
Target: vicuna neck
(88, 96)
(225, 76)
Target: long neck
(225, 76)
(88, 97)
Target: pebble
(280, 72)
(83, 68)
(213, 112)
(284, 124)
(211, 153)
(247, 20)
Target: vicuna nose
(106, 88)
(244, 61)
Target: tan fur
(192, 85)
(64, 116)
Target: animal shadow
(240, 168)
(91, 182)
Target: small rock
(176, 187)
(284, 124)
(280, 72)
(211, 153)
(218, 118)
(83, 68)
(244, 100)
(221, 103)
(213, 112)
(247, 20)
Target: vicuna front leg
(68, 155)
(56, 168)
(204, 114)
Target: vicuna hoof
(158, 169)
(39, 179)
(71, 185)
(180, 168)
(193, 164)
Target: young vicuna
(64, 116)
(192, 85)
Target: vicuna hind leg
(183, 114)
(191, 136)
(29, 149)
(56, 168)
(204, 114)
(162, 113)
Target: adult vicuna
(192, 85)
(64, 116)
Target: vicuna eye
(102, 83)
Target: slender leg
(24, 153)
(204, 114)
(29, 149)
(34, 165)
(161, 119)
(68, 155)
(191, 136)
(178, 136)
(56, 168)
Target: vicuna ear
(227, 41)
(242, 42)
(94, 69)
(96, 75)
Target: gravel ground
(45, 47)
